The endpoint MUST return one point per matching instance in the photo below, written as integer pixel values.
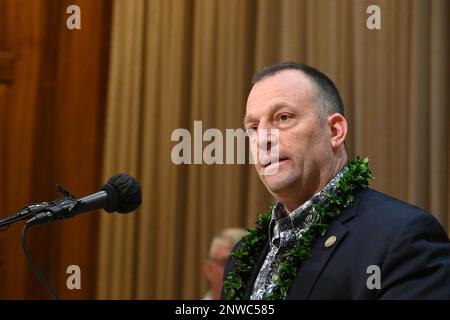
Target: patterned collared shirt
(284, 229)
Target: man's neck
(294, 200)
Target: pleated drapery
(177, 61)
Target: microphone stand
(45, 211)
(25, 213)
(40, 213)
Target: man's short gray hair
(327, 96)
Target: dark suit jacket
(408, 244)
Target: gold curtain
(177, 61)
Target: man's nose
(267, 138)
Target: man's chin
(276, 183)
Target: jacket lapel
(312, 268)
(304, 281)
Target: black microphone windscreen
(124, 193)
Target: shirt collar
(296, 218)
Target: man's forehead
(287, 87)
(285, 79)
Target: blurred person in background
(219, 251)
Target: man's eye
(252, 129)
(284, 117)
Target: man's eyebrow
(273, 108)
(246, 118)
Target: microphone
(122, 194)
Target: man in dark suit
(329, 236)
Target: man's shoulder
(379, 209)
(378, 201)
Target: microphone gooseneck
(122, 194)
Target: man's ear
(338, 129)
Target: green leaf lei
(251, 246)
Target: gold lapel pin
(330, 241)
